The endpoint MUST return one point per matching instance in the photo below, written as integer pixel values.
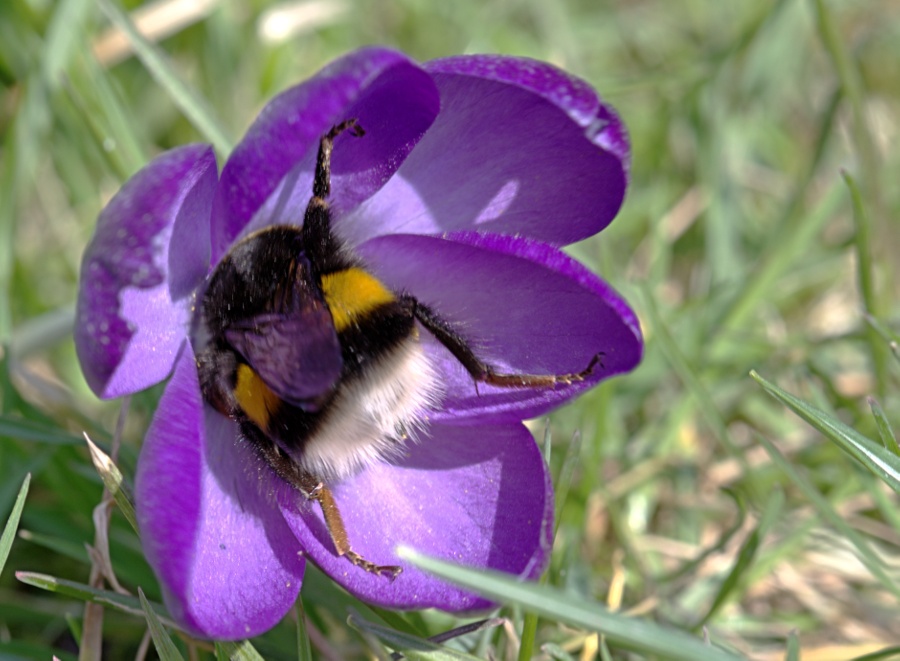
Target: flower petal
(149, 252)
(476, 495)
(229, 566)
(519, 147)
(571, 94)
(394, 100)
(525, 307)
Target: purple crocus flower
(473, 172)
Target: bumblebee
(320, 363)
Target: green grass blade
(529, 634)
(796, 231)
(412, 647)
(692, 381)
(746, 556)
(564, 479)
(865, 277)
(465, 629)
(882, 462)
(161, 640)
(304, 649)
(112, 480)
(885, 431)
(195, 108)
(12, 523)
(63, 33)
(887, 654)
(852, 88)
(884, 501)
(58, 545)
(724, 538)
(97, 105)
(886, 332)
(242, 651)
(10, 177)
(21, 650)
(603, 648)
(867, 556)
(556, 652)
(119, 602)
(792, 653)
(42, 332)
(29, 430)
(620, 630)
(74, 624)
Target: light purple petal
(149, 252)
(524, 306)
(476, 495)
(519, 147)
(394, 100)
(229, 566)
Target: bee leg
(320, 243)
(312, 488)
(322, 180)
(338, 533)
(538, 380)
(444, 333)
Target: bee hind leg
(339, 538)
(482, 372)
(312, 488)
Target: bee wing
(296, 353)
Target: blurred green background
(737, 245)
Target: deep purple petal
(524, 306)
(476, 495)
(571, 94)
(229, 566)
(519, 147)
(395, 102)
(149, 252)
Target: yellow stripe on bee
(351, 294)
(254, 397)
